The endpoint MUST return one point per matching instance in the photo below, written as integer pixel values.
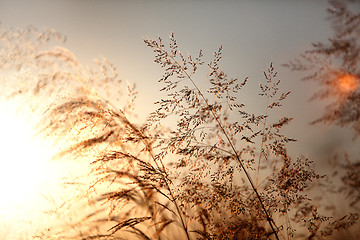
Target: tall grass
(220, 173)
(203, 166)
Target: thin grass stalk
(262, 139)
(147, 146)
(167, 186)
(268, 217)
(148, 149)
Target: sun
(28, 176)
(22, 160)
(31, 182)
(348, 83)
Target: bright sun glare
(23, 161)
(26, 173)
(28, 178)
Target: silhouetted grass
(220, 173)
(203, 166)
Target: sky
(252, 33)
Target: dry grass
(210, 176)
(220, 171)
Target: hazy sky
(253, 33)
